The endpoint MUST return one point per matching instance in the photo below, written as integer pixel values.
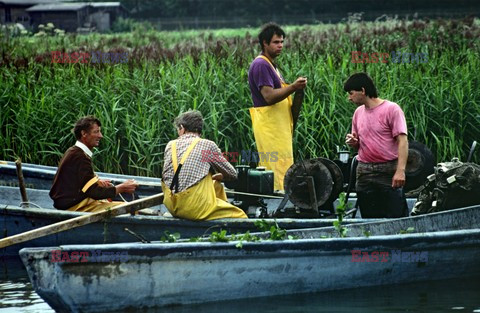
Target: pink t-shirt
(377, 130)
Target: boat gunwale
(417, 241)
(54, 213)
(379, 222)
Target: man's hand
(398, 179)
(104, 182)
(300, 83)
(217, 177)
(128, 186)
(273, 96)
(352, 140)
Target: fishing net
(453, 185)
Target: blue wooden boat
(438, 246)
(41, 213)
(15, 220)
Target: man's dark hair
(85, 123)
(191, 120)
(361, 80)
(267, 32)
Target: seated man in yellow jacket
(191, 191)
(76, 187)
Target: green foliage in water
(169, 237)
(341, 209)
(409, 230)
(220, 236)
(275, 232)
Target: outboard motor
(251, 180)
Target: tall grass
(170, 72)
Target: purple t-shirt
(261, 74)
(377, 130)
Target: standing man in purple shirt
(379, 132)
(271, 113)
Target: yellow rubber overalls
(273, 128)
(205, 200)
(91, 205)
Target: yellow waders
(205, 200)
(273, 129)
(92, 205)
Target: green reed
(170, 72)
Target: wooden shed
(14, 11)
(104, 14)
(66, 16)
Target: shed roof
(105, 4)
(58, 7)
(25, 2)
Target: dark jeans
(384, 203)
(375, 195)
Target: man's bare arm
(273, 96)
(398, 179)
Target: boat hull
(158, 275)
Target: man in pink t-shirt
(379, 132)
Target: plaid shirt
(205, 156)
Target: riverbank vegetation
(170, 72)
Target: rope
(28, 202)
(226, 190)
(252, 194)
(120, 194)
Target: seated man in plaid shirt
(191, 191)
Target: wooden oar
(82, 220)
